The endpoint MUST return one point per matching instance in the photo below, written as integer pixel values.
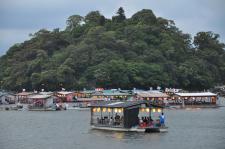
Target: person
(145, 121)
(150, 121)
(162, 119)
(111, 121)
(141, 120)
(117, 118)
(98, 120)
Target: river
(188, 129)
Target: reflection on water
(188, 129)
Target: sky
(18, 18)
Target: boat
(78, 108)
(127, 116)
(41, 109)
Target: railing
(108, 122)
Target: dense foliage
(94, 51)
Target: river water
(188, 129)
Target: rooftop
(112, 93)
(121, 104)
(152, 94)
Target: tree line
(118, 52)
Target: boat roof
(46, 93)
(64, 92)
(39, 96)
(200, 94)
(24, 93)
(121, 104)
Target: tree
(120, 17)
(94, 18)
(144, 16)
(74, 21)
(93, 51)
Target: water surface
(188, 129)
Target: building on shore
(172, 91)
(65, 96)
(41, 100)
(23, 97)
(220, 90)
(7, 98)
(84, 94)
(152, 95)
(113, 94)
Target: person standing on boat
(162, 119)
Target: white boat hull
(135, 129)
(78, 108)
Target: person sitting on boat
(111, 121)
(98, 120)
(162, 119)
(150, 121)
(117, 118)
(140, 120)
(145, 121)
(121, 119)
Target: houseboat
(198, 99)
(113, 94)
(23, 97)
(127, 116)
(42, 102)
(65, 96)
(153, 96)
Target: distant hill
(94, 51)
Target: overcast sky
(18, 18)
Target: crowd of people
(149, 122)
(116, 121)
(144, 121)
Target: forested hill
(94, 51)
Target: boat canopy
(123, 104)
(200, 94)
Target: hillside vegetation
(94, 51)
